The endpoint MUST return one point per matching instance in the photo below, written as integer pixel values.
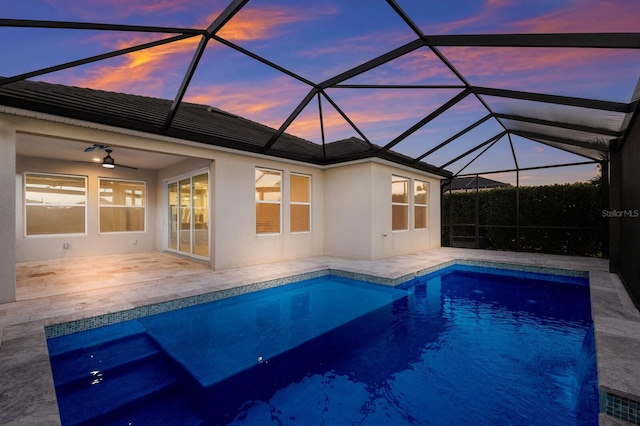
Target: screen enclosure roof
(470, 87)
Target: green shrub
(559, 219)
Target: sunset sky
(318, 40)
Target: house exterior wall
(236, 242)
(358, 213)
(93, 243)
(349, 211)
(350, 204)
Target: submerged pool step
(113, 390)
(85, 364)
(93, 337)
(167, 407)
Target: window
(420, 204)
(300, 203)
(55, 204)
(122, 206)
(268, 199)
(399, 203)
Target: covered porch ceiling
(472, 91)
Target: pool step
(88, 402)
(94, 337)
(165, 407)
(84, 364)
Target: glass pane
(399, 217)
(420, 217)
(44, 220)
(122, 193)
(121, 219)
(267, 218)
(399, 190)
(60, 190)
(268, 184)
(300, 218)
(300, 189)
(185, 216)
(420, 192)
(173, 215)
(201, 215)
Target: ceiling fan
(97, 146)
(107, 162)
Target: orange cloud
(265, 22)
(145, 72)
(142, 72)
(267, 102)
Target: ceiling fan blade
(100, 164)
(126, 167)
(96, 146)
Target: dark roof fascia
(393, 158)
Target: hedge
(559, 219)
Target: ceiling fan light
(108, 162)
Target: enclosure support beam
(477, 218)
(615, 201)
(604, 188)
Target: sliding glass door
(188, 198)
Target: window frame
(143, 206)
(26, 204)
(300, 203)
(279, 202)
(407, 205)
(417, 205)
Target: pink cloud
(144, 72)
(585, 16)
(542, 69)
(504, 16)
(110, 10)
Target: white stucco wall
(236, 242)
(358, 213)
(351, 203)
(42, 247)
(349, 211)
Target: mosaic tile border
(57, 330)
(620, 407)
(62, 329)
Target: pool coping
(69, 327)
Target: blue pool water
(465, 345)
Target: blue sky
(318, 40)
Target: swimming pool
(463, 345)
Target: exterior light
(108, 162)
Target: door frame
(166, 219)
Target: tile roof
(193, 122)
